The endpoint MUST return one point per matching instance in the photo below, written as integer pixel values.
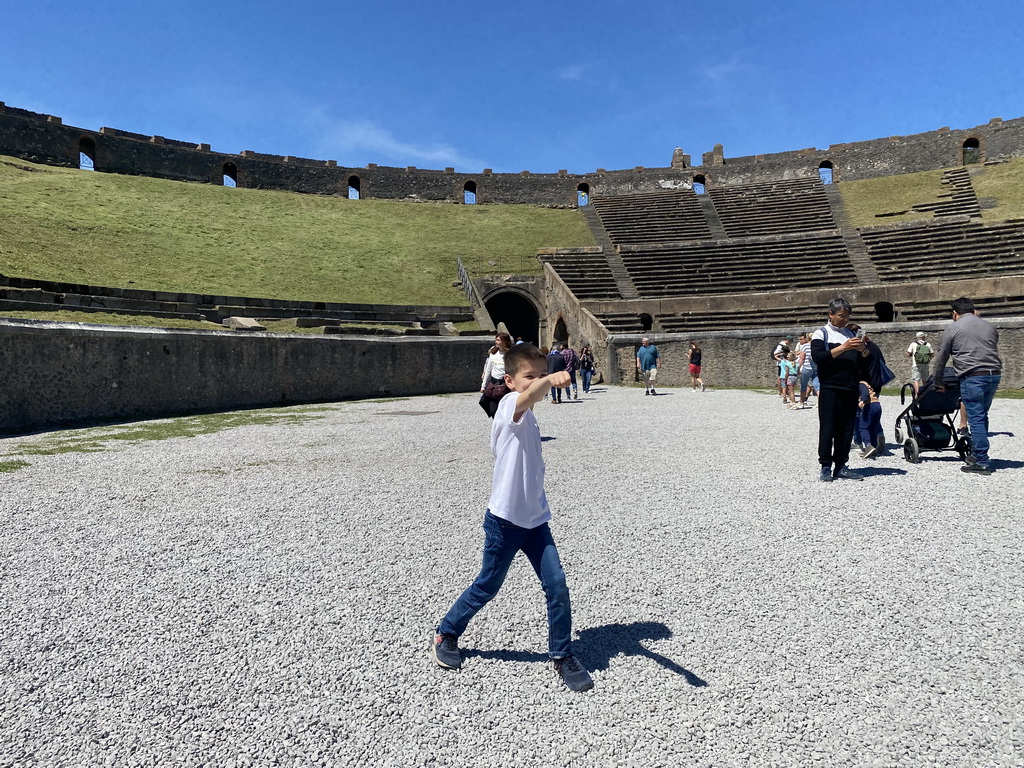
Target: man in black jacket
(841, 359)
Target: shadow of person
(598, 645)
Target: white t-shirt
(494, 368)
(517, 494)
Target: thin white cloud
(718, 71)
(573, 71)
(356, 142)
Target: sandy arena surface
(264, 595)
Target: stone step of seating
(12, 305)
(1002, 306)
(99, 303)
(797, 205)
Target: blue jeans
(977, 393)
(869, 424)
(501, 543)
(587, 376)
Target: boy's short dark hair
(517, 357)
(963, 306)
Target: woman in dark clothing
(693, 357)
(586, 366)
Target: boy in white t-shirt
(517, 519)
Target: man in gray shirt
(973, 343)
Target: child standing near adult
(789, 375)
(517, 520)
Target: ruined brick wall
(45, 139)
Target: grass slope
(132, 231)
(865, 198)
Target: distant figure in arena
(920, 353)
(693, 358)
(648, 361)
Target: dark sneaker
(653, 392)
(573, 674)
(446, 651)
(647, 391)
(976, 468)
(845, 473)
(826, 475)
(870, 451)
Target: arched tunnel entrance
(517, 313)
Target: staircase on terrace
(961, 200)
(622, 279)
(862, 264)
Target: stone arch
(970, 151)
(517, 310)
(87, 153)
(354, 187)
(700, 183)
(561, 334)
(583, 194)
(885, 311)
(646, 322)
(229, 175)
(826, 172)
(469, 193)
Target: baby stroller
(927, 423)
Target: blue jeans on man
(503, 541)
(977, 392)
(587, 376)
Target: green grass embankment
(136, 232)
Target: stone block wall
(60, 374)
(45, 139)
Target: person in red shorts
(693, 356)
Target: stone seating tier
(946, 250)
(793, 206)
(587, 275)
(736, 266)
(653, 217)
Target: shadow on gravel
(599, 645)
(1006, 464)
(880, 471)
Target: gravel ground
(264, 595)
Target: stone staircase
(622, 279)
(711, 216)
(862, 264)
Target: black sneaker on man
(573, 674)
(826, 474)
(845, 473)
(976, 468)
(653, 392)
(446, 651)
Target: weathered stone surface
(243, 324)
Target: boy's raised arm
(534, 393)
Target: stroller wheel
(899, 434)
(911, 451)
(964, 446)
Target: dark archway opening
(972, 152)
(699, 184)
(561, 332)
(230, 174)
(469, 193)
(583, 195)
(885, 311)
(646, 322)
(87, 154)
(353, 188)
(517, 313)
(825, 172)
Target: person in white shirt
(920, 353)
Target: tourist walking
(586, 367)
(693, 359)
(572, 363)
(516, 521)
(974, 345)
(805, 368)
(492, 385)
(556, 363)
(920, 353)
(648, 361)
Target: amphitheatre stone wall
(45, 139)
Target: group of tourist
(648, 363)
(852, 371)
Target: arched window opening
(825, 172)
(972, 152)
(518, 314)
(469, 193)
(230, 175)
(699, 184)
(885, 311)
(561, 332)
(583, 195)
(87, 154)
(646, 321)
(353, 187)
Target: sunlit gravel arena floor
(264, 595)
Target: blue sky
(537, 86)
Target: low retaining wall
(61, 374)
(743, 358)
